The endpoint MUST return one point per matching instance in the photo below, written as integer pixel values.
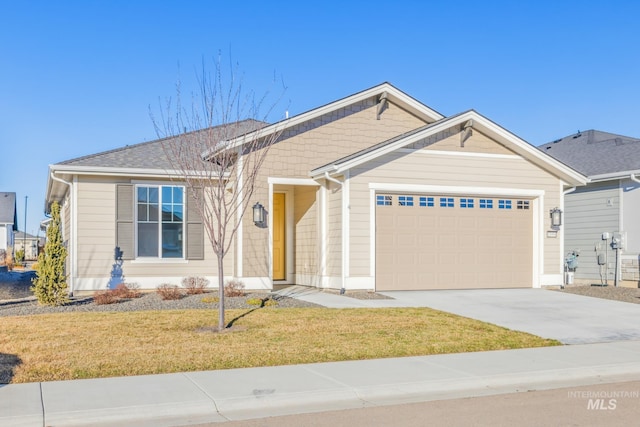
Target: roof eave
(613, 175)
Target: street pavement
(240, 394)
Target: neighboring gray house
(8, 220)
(610, 203)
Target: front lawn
(91, 345)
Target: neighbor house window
(504, 204)
(486, 203)
(383, 200)
(426, 202)
(405, 200)
(446, 202)
(160, 221)
(466, 203)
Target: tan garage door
(446, 242)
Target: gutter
(343, 234)
(72, 233)
(633, 178)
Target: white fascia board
(396, 95)
(613, 176)
(139, 172)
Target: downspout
(344, 272)
(633, 178)
(71, 233)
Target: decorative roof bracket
(467, 131)
(382, 103)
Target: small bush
(127, 291)
(20, 255)
(254, 301)
(210, 300)
(108, 296)
(270, 303)
(8, 258)
(169, 292)
(195, 285)
(234, 288)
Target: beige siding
(96, 241)
(306, 230)
(314, 144)
(589, 212)
(420, 168)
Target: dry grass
(91, 345)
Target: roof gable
(594, 153)
(467, 119)
(384, 91)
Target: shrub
(50, 283)
(234, 288)
(254, 301)
(127, 291)
(109, 296)
(195, 285)
(20, 255)
(8, 258)
(169, 292)
(270, 303)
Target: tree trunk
(221, 324)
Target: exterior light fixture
(556, 217)
(258, 214)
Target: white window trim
(159, 259)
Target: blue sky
(78, 77)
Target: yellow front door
(279, 253)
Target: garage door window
(504, 204)
(426, 202)
(466, 203)
(405, 200)
(523, 204)
(383, 200)
(446, 202)
(486, 203)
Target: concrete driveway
(568, 318)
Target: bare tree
(215, 146)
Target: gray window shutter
(194, 226)
(124, 220)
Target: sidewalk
(217, 396)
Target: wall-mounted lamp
(258, 214)
(556, 217)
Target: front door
(279, 227)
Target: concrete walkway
(568, 318)
(217, 396)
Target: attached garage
(432, 241)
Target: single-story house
(8, 220)
(30, 244)
(607, 207)
(374, 191)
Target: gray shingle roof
(594, 152)
(8, 214)
(151, 155)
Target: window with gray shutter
(195, 227)
(124, 220)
